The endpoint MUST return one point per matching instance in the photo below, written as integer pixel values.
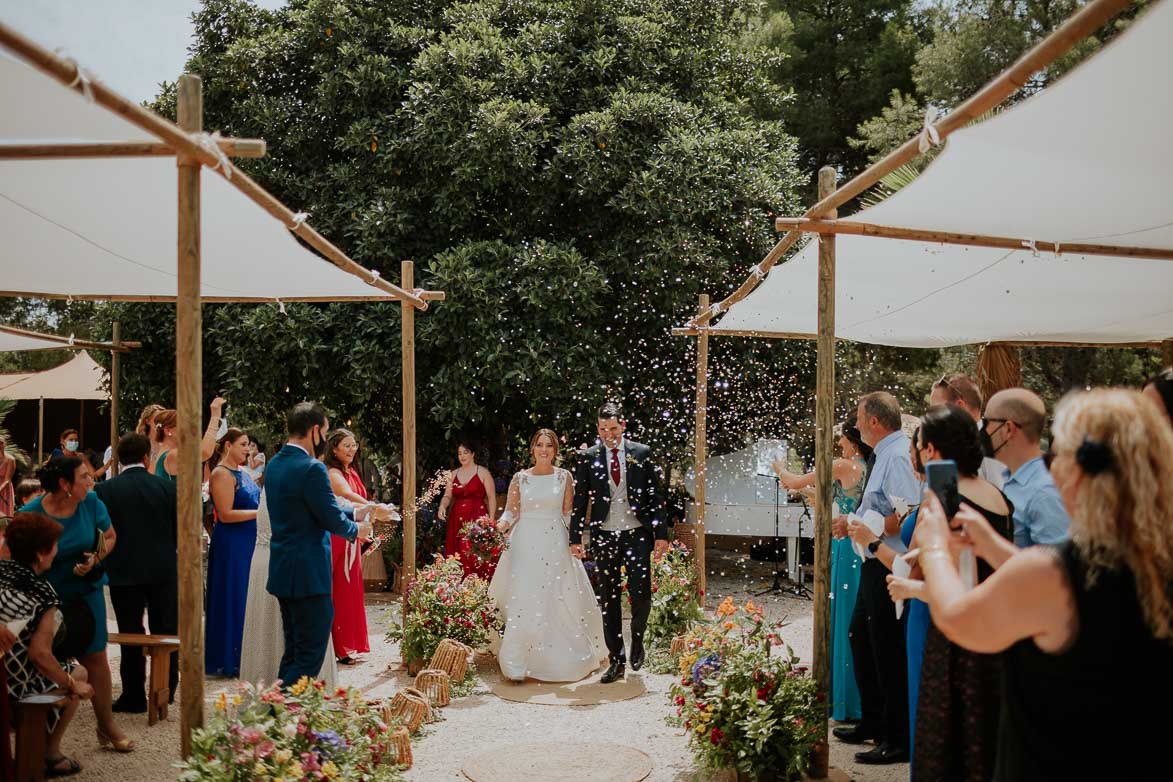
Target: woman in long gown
(849, 479)
(236, 497)
(470, 494)
(350, 616)
(263, 642)
(553, 627)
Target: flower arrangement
(743, 705)
(485, 541)
(676, 596)
(303, 733)
(441, 604)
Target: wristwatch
(874, 546)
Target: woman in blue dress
(849, 481)
(236, 497)
(78, 578)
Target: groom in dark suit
(616, 483)
(304, 514)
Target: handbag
(99, 550)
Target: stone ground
(482, 721)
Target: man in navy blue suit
(304, 514)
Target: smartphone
(942, 479)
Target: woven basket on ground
(436, 685)
(678, 646)
(401, 746)
(410, 707)
(452, 658)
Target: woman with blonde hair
(1086, 627)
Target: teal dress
(845, 703)
(80, 529)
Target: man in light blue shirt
(1014, 421)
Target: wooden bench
(159, 649)
(31, 718)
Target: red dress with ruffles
(350, 616)
(468, 504)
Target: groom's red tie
(615, 476)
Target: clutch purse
(98, 570)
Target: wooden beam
(1080, 25)
(702, 412)
(824, 226)
(408, 510)
(1167, 353)
(115, 374)
(232, 147)
(189, 407)
(68, 342)
(186, 145)
(824, 458)
(425, 295)
(716, 332)
(41, 431)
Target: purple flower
(329, 743)
(705, 666)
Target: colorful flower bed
(303, 733)
(676, 597)
(743, 699)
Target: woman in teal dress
(849, 481)
(76, 572)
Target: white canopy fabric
(79, 378)
(1086, 160)
(106, 227)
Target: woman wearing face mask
(469, 494)
(236, 498)
(70, 443)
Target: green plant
(742, 705)
(303, 733)
(675, 596)
(441, 604)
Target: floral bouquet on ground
(485, 541)
(743, 699)
(676, 596)
(442, 603)
(304, 733)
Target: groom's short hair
(305, 416)
(611, 410)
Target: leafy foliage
(676, 596)
(441, 604)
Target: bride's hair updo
(533, 443)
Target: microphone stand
(777, 587)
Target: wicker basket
(401, 746)
(410, 707)
(678, 646)
(685, 532)
(436, 685)
(452, 658)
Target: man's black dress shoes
(637, 656)
(853, 734)
(614, 672)
(883, 755)
(128, 708)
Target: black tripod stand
(796, 588)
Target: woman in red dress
(469, 495)
(350, 616)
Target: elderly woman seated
(29, 607)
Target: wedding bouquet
(485, 541)
(301, 733)
(743, 704)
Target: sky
(131, 45)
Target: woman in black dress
(1086, 626)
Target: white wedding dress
(263, 642)
(553, 626)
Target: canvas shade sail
(79, 378)
(1087, 160)
(106, 227)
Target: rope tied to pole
(298, 219)
(375, 276)
(929, 136)
(82, 78)
(210, 143)
(281, 308)
(70, 341)
(1031, 245)
(757, 272)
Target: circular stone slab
(587, 692)
(559, 763)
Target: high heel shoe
(121, 745)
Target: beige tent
(79, 378)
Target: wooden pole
(115, 361)
(854, 228)
(1077, 27)
(81, 420)
(702, 411)
(68, 342)
(41, 430)
(188, 380)
(407, 349)
(1167, 354)
(233, 147)
(998, 368)
(824, 457)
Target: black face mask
(987, 443)
(320, 446)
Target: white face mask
(71, 445)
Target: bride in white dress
(553, 626)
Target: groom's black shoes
(637, 655)
(614, 672)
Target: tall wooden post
(188, 377)
(702, 410)
(407, 350)
(41, 430)
(115, 361)
(824, 456)
(1167, 354)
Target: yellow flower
(295, 770)
(329, 770)
(222, 702)
(301, 686)
(750, 607)
(282, 756)
(726, 608)
(729, 625)
(237, 700)
(259, 769)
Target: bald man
(1014, 421)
